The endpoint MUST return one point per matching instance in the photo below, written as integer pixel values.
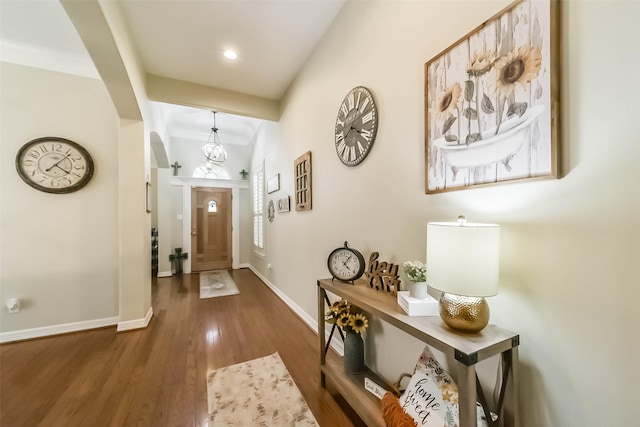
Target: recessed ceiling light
(230, 54)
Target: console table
(465, 349)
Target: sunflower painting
(491, 114)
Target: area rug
(217, 284)
(259, 392)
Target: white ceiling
(184, 40)
(195, 124)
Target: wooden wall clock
(54, 165)
(356, 126)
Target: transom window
(211, 171)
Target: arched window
(212, 206)
(210, 171)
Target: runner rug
(259, 392)
(217, 283)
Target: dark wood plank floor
(157, 376)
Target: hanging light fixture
(213, 149)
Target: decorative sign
(374, 388)
(283, 204)
(147, 200)
(273, 184)
(302, 173)
(423, 401)
(271, 211)
(383, 275)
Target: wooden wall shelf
(466, 349)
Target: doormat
(217, 284)
(259, 392)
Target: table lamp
(463, 261)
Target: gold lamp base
(465, 314)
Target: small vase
(418, 290)
(353, 353)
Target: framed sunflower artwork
(491, 101)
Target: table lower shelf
(351, 388)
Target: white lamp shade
(463, 258)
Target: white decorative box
(418, 307)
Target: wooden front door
(210, 228)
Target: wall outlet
(13, 305)
(269, 267)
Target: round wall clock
(356, 126)
(346, 264)
(54, 165)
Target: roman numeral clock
(356, 126)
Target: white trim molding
(165, 274)
(336, 344)
(310, 321)
(136, 323)
(206, 182)
(48, 59)
(45, 331)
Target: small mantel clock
(346, 264)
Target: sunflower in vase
(347, 316)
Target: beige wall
(104, 33)
(128, 139)
(59, 252)
(569, 246)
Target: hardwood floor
(157, 376)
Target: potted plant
(416, 274)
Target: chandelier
(213, 149)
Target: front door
(210, 228)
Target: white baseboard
(336, 344)
(136, 323)
(64, 328)
(165, 274)
(310, 321)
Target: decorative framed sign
(284, 204)
(273, 183)
(148, 197)
(491, 101)
(302, 174)
(271, 211)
